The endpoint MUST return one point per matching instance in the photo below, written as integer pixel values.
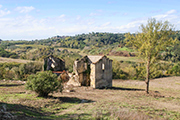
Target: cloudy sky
(39, 19)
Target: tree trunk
(147, 76)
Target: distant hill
(80, 41)
(92, 43)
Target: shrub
(118, 73)
(43, 83)
(29, 68)
(8, 75)
(175, 70)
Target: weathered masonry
(54, 64)
(94, 71)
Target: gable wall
(103, 78)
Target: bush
(29, 68)
(43, 83)
(118, 73)
(175, 70)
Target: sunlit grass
(8, 60)
(121, 58)
(124, 49)
(35, 46)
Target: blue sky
(39, 19)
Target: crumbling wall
(82, 70)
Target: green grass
(124, 49)
(178, 83)
(121, 58)
(70, 49)
(9, 97)
(34, 46)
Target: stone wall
(103, 70)
(92, 76)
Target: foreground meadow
(127, 100)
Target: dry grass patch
(9, 60)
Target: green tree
(153, 38)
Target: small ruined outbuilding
(94, 71)
(54, 64)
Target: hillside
(91, 40)
(126, 65)
(92, 43)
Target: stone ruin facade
(94, 71)
(54, 64)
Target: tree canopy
(153, 38)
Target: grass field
(127, 100)
(41, 46)
(124, 49)
(34, 46)
(121, 58)
(8, 60)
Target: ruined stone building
(54, 64)
(94, 71)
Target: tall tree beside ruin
(154, 37)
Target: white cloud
(29, 27)
(90, 21)
(171, 12)
(124, 14)
(96, 13)
(62, 18)
(166, 16)
(156, 11)
(78, 17)
(170, 15)
(93, 14)
(24, 27)
(106, 24)
(24, 9)
(3, 13)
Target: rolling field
(127, 100)
(121, 58)
(9, 60)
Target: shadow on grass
(22, 112)
(71, 99)
(84, 116)
(10, 85)
(73, 116)
(128, 89)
